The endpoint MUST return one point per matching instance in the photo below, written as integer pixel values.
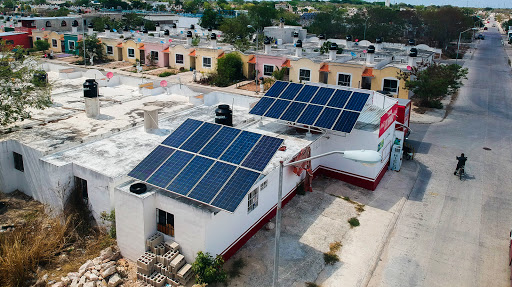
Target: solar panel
(320, 107)
(276, 89)
(259, 157)
(229, 197)
(182, 133)
(212, 164)
(149, 164)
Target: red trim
(235, 246)
(357, 180)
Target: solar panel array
(209, 163)
(321, 107)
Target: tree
(229, 69)
(432, 82)
(261, 15)
(233, 27)
(327, 24)
(41, 45)
(20, 87)
(210, 19)
(208, 269)
(93, 48)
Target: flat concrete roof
(3, 34)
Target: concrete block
(177, 263)
(171, 245)
(185, 274)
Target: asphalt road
(452, 232)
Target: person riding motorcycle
(461, 162)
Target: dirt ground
(20, 207)
(253, 87)
(115, 65)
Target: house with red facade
(16, 39)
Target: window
(179, 58)
(252, 200)
(263, 185)
(268, 70)
(9, 42)
(131, 53)
(344, 80)
(18, 161)
(390, 85)
(81, 187)
(207, 62)
(71, 45)
(54, 43)
(165, 222)
(48, 24)
(38, 38)
(304, 75)
(110, 50)
(154, 55)
(63, 23)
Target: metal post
(257, 74)
(278, 226)
(83, 38)
(458, 45)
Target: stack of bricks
(163, 265)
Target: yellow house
(245, 60)
(206, 59)
(39, 35)
(113, 48)
(181, 57)
(131, 51)
(386, 79)
(56, 41)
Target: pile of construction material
(100, 271)
(162, 264)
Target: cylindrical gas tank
(91, 88)
(224, 115)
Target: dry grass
(331, 257)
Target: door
(366, 83)
(142, 57)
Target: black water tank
(411, 42)
(173, 25)
(75, 23)
(138, 188)
(126, 28)
(321, 37)
(295, 34)
(213, 36)
(298, 44)
(224, 115)
(145, 30)
(91, 88)
(189, 34)
(192, 27)
(371, 49)
(266, 41)
(166, 32)
(349, 38)
(106, 27)
(413, 52)
(333, 47)
(378, 40)
(210, 29)
(157, 24)
(90, 25)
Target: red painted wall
(19, 40)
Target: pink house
(266, 64)
(159, 52)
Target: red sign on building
(387, 119)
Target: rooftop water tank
(91, 88)
(189, 34)
(371, 49)
(90, 25)
(157, 24)
(298, 44)
(295, 34)
(192, 27)
(411, 42)
(379, 40)
(413, 52)
(145, 30)
(138, 188)
(333, 47)
(348, 37)
(213, 36)
(166, 32)
(173, 25)
(321, 37)
(266, 41)
(224, 115)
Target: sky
(461, 3)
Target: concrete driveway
(452, 232)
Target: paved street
(452, 232)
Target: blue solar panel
(306, 94)
(235, 190)
(220, 142)
(346, 121)
(310, 114)
(357, 101)
(190, 175)
(170, 169)
(262, 106)
(240, 147)
(327, 118)
(277, 109)
(293, 111)
(182, 133)
(322, 96)
(262, 153)
(276, 89)
(212, 182)
(291, 91)
(147, 166)
(339, 99)
(200, 137)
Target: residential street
(452, 232)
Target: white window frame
(111, 50)
(151, 53)
(298, 75)
(252, 200)
(210, 62)
(56, 43)
(128, 52)
(345, 74)
(182, 59)
(391, 79)
(266, 74)
(69, 44)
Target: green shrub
(166, 74)
(353, 222)
(41, 45)
(330, 258)
(311, 284)
(229, 70)
(208, 269)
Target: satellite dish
(163, 83)
(110, 75)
